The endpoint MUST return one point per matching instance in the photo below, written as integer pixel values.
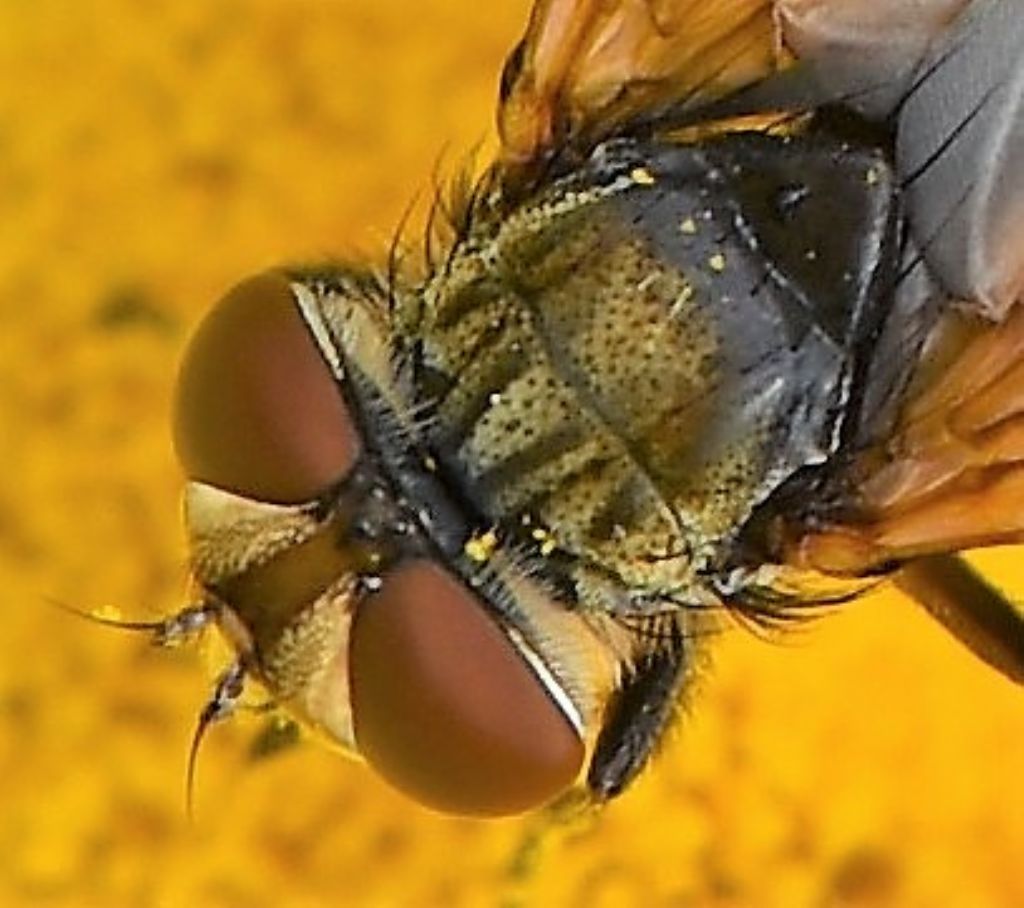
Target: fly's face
(474, 528)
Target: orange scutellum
(446, 709)
(257, 410)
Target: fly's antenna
(166, 632)
(222, 703)
(172, 631)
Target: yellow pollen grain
(871, 177)
(689, 227)
(480, 548)
(717, 262)
(546, 540)
(642, 176)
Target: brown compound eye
(446, 709)
(257, 411)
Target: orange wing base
(952, 476)
(585, 67)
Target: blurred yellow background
(152, 152)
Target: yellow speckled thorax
(574, 372)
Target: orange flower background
(152, 152)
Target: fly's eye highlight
(257, 411)
(446, 709)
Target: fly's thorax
(568, 372)
(626, 364)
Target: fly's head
(352, 579)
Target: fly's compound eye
(446, 709)
(257, 409)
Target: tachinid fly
(688, 354)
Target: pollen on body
(480, 548)
(642, 176)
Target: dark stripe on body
(530, 457)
